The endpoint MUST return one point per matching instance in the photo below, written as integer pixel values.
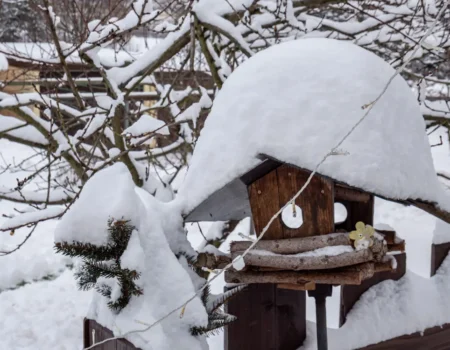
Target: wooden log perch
(212, 261)
(367, 270)
(294, 245)
(389, 236)
(397, 246)
(296, 278)
(298, 263)
(383, 266)
(379, 249)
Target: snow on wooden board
(325, 251)
(383, 227)
(294, 102)
(391, 309)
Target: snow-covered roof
(294, 102)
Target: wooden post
(320, 295)
(270, 318)
(438, 254)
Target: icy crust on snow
(165, 281)
(295, 101)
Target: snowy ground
(41, 307)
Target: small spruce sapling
(217, 318)
(101, 267)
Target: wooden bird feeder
(281, 267)
(298, 110)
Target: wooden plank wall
(436, 338)
(269, 193)
(270, 318)
(102, 333)
(438, 253)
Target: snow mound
(294, 102)
(109, 194)
(164, 280)
(392, 309)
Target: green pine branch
(104, 261)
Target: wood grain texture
(102, 333)
(347, 193)
(316, 201)
(435, 338)
(351, 277)
(389, 236)
(269, 319)
(304, 286)
(264, 203)
(281, 326)
(438, 253)
(397, 246)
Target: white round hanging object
(292, 216)
(238, 263)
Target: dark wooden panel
(86, 340)
(259, 171)
(264, 202)
(316, 201)
(438, 253)
(356, 211)
(351, 294)
(347, 193)
(268, 319)
(102, 333)
(436, 338)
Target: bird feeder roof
(294, 102)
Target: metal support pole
(320, 295)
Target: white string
(368, 109)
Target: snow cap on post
(294, 102)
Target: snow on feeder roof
(294, 102)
